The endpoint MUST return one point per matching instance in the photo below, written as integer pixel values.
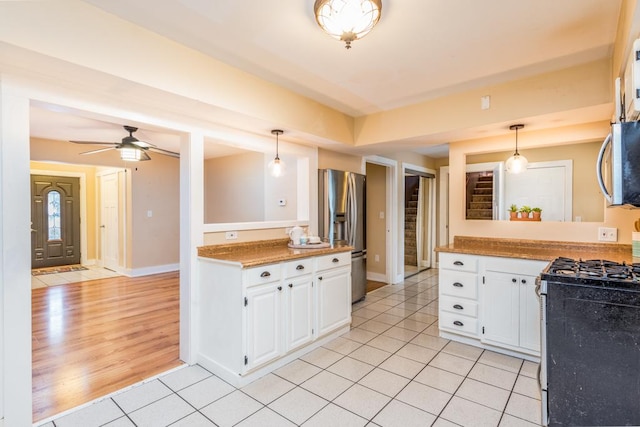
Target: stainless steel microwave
(618, 165)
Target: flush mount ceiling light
(347, 20)
(516, 163)
(276, 166)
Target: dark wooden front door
(55, 221)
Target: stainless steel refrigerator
(341, 220)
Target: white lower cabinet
(502, 312)
(299, 312)
(458, 301)
(253, 320)
(334, 305)
(264, 317)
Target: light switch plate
(231, 235)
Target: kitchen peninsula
(487, 288)
(263, 304)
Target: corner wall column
(191, 236)
(15, 259)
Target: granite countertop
(262, 252)
(543, 250)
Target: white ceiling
(421, 49)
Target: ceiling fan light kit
(131, 148)
(347, 20)
(516, 163)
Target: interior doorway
(382, 220)
(419, 216)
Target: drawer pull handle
(458, 307)
(300, 267)
(524, 281)
(279, 288)
(291, 285)
(458, 263)
(514, 280)
(265, 274)
(335, 260)
(458, 285)
(458, 323)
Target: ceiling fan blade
(94, 142)
(144, 156)
(98, 151)
(143, 144)
(165, 152)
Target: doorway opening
(419, 205)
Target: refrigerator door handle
(352, 209)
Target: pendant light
(347, 20)
(276, 166)
(516, 163)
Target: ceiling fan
(131, 148)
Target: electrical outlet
(607, 234)
(282, 202)
(376, 258)
(231, 235)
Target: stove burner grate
(596, 270)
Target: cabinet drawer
(333, 261)
(453, 322)
(263, 274)
(459, 306)
(458, 262)
(298, 267)
(459, 284)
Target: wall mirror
(561, 180)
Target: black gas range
(594, 272)
(590, 343)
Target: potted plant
(525, 211)
(536, 213)
(513, 212)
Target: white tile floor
(92, 273)
(390, 370)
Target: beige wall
(339, 161)
(376, 226)
(587, 198)
(91, 203)
(575, 88)
(234, 188)
(154, 186)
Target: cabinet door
(529, 314)
(334, 295)
(299, 312)
(263, 323)
(501, 307)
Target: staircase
(481, 204)
(410, 216)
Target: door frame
(83, 206)
(432, 209)
(392, 254)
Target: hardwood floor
(93, 338)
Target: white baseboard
(156, 269)
(377, 277)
